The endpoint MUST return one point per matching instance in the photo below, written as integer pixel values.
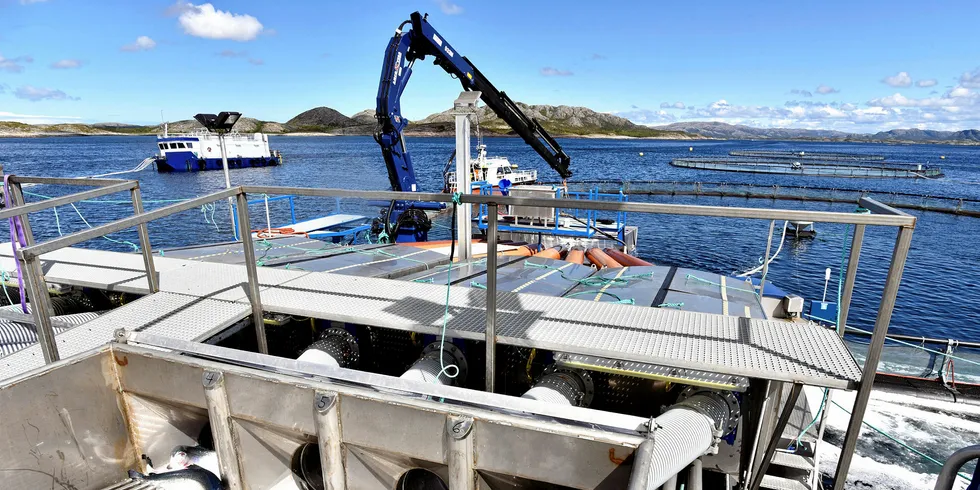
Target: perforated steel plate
(666, 337)
(650, 371)
(173, 315)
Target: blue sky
(853, 66)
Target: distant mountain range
(560, 120)
(720, 130)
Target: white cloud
(228, 53)
(256, 61)
(929, 82)
(648, 117)
(14, 65)
(207, 22)
(66, 64)
(901, 79)
(449, 8)
(970, 79)
(959, 92)
(675, 105)
(804, 93)
(36, 118)
(555, 72)
(597, 56)
(826, 89)
(143, 43)
(28, 2)
(35, 94)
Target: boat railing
(953, 464)
(29, 259)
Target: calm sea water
(939, 290)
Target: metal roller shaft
(562, 386)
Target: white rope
(782, 240)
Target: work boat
(201, 150)
(491, 171)
(296, 363)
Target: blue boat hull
(187, 162)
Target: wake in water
(935, 428)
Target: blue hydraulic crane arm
(421, 41)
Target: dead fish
(186, 456)
(191, 478)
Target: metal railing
(953, 464)
(37, 291)
(881, 215)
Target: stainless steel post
(326, 411)
(253, 273)
(885, 308)
(765, 263)
(848, 288)
(459, 443)
(40, 305)
(491, 333)
(37, 288)
(222, 429)
(144, 233)
(777, 434)
(231, 207)
(464, 106)
(17, 199)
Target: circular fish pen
(809, 164)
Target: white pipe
(682, 435)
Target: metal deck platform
(172, 315)
(195, 301)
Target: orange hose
(625, 259)
(434, 244)
(550, 253)
(601, 260)
(576, 256)
(522, 251)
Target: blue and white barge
(201, 150)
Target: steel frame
(881, 215)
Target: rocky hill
(721, 130)
(559, 120)
(319, 119)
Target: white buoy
(942, 157)
(826, 282)
(641, 153)
(690, 149)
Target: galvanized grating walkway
(196, 299)
(173, 315)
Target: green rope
(427, 280)
(628, 301)
(671, 305)
(478, 285)
(5, 277)
(444, 369)
(731, 288)
(900, 443)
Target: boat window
(501, 172)
(180, 145)
(173, 146)
(189, 145)
(163, 146)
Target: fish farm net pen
(808, 155)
